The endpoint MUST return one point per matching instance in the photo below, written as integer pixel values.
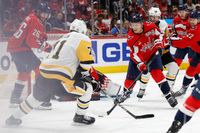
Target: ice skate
(175, 127)
(45, 106)
(83, 119)
(11, 121)
(181, 92)
(172, 101)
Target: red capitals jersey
(192, 39)
(29, 35)
(181, 26)
(142, 45)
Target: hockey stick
(136, 116)
(126, 110)
(133, 83)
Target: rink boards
(112, 55)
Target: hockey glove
(142, 66)
(158, 44)
(181, 26)
(45, 47)
(121, 98)
(43, 37)
(99, 77)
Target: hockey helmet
(136, 18)
(43, 7)
(78, 26)
(43, 11)
(154, 11)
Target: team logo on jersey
(151, 32)
(148, 45)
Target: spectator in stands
(107, 18)
(116, 29)
(55, 5)
(100, 26)
(197, 7)
(81, 9)
(163, 5)
(70, 12)
(113, 22)
(125, 27)
(175, 11)
(24, 10)
(190, 5)
(57, 23)
(9, 24)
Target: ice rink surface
(59, 120)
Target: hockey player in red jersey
(167, 59)
(181, 25)
(30, 34)
(191, 40)
(187, 110)
(144, 40)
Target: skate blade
(80, 124)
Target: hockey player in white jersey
(167, 59)
(64, 71)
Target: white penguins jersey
(163, 26)
(70, 51)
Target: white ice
(59, 120)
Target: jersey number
(56, 55)
(20, 31)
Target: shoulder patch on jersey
(84, 51)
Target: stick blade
(144, 116)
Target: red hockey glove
(99, 77)
(158, 44)
(43, 37)
(141, 66)
(47, 47)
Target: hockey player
(185, 112)
(191, 40)
(167, 59)
(144, 39)
(181, 25)
(65, 70)
(30, 34)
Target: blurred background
(103, 17)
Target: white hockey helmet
(154, 11)
(78, 26)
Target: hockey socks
(183, 118)
(179, 120)
(16, 93)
